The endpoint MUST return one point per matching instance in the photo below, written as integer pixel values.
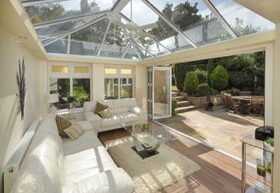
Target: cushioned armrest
(112, 181)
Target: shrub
(174, 105)
(202, 89)
(219, 78)
(191, 83)
(201, 75)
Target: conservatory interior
(93, 96)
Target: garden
(236, 82)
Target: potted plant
(145, 127)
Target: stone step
(183, 103)
(185, 109)
(179, 98)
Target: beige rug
(153, 173)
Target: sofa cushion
(89, 106)
(128, 116)
(127, 103)
(111, 181)
(114, 120)
(87, 163)
(84, 142)
(62, 124)
(135, 110)
(105, 114)
(74, 131)
(100, 107)
(42, 168)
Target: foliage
(174, 105)
(80, 95)
(202, 90)
(181, 69)
(191, 83)
(201, 75)
(219, 78)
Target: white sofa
(56, 165)
(121, 114)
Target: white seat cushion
(87, 163)
(114, 120)
(84, 142)
(111, 181)
(128, 116)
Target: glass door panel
(161, 92)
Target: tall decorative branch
(21, 87)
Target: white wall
(11, 125)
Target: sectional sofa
(56, 165)
(122, 111)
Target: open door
(159, 92)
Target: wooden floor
(218, 173)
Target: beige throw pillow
(99, 107)
(105, 114)
(74, 132)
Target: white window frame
(120, 76)
(70, 75)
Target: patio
(220, 129)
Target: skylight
(138, 29)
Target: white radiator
(13, 165)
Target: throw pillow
(105, 114)
(62, 124)
(99, 107)
(74, 132)
(135, 110)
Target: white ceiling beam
(104, 38)
(140, 28)
(75, 30)
(68, 19)
(220, 18)
(120, 5)
(170, 23)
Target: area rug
(153, 173)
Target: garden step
(179, 98)
(185, 109)
(183, 103)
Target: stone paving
(220, 128)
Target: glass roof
(138, 29)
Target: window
(71, 83)
(111, 88)
(118, 83)
(126, 87)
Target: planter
(201, 101)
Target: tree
(219, 78)
(191, 83)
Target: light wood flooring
(218, 174)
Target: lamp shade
(53, 98)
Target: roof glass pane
(194, 18)
(59, 46)
(62, 28)
(242, 20)
(115, 43)
(56, 10)
(88, 40)
(157, 30)
(93, 33)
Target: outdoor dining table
(243, 104)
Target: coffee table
(147, 137)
